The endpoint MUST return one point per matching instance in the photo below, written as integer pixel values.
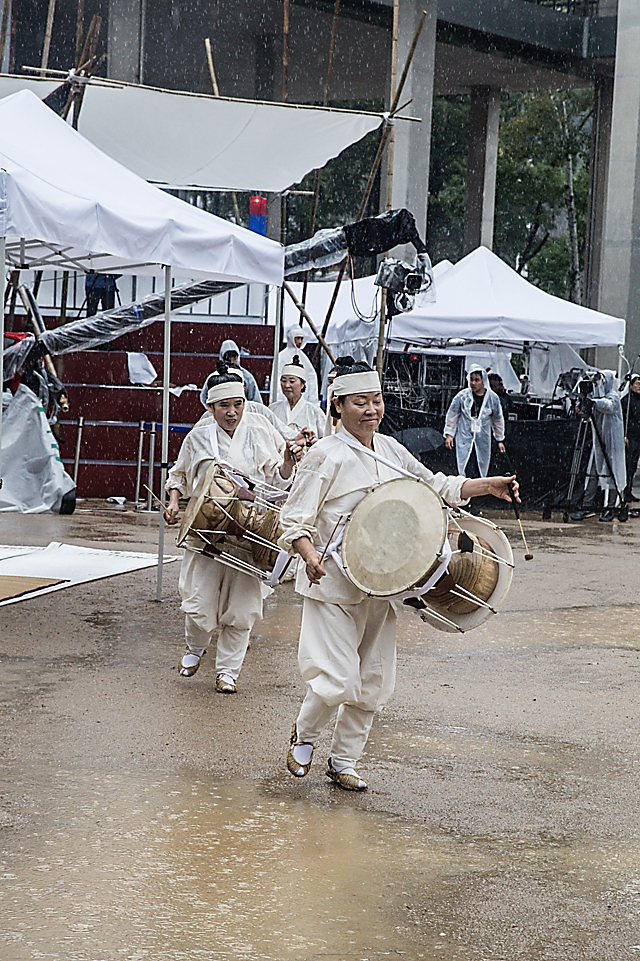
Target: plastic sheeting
(213, 142)
(76, 208)
(34, 478)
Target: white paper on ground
(73, 564)
(141, 370)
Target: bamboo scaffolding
(6, 13)
(386, 132)
(47, 37)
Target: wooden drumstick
(326, 546)
(528, 556)
(157, 499)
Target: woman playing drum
(347, 639)
(215, 596)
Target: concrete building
(475, 47)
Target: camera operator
(631, 414)
(601, 401)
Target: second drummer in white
(216, 597)
(347, 651)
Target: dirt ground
(143, 816)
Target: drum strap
(356, 445)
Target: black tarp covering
(541, 452)
(378, 234)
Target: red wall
(99, 390)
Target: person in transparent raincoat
(474, 416)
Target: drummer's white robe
(216, 597)
(302, 414)
(347, 649)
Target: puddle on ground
(113, 867)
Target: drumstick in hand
(326, 546)
(528, 555)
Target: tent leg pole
(165, 421)
(277, 337)
(3, 248)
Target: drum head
(394, 537)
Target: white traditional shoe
(189, 663)
(296, 767)
(348, 778)
(225, 684)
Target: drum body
(481, 565)
(393, 540)
(218, 514)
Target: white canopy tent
(184, 140)
(480, 300)
(64, 204)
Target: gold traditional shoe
(225, 684)
(348, 779)
(189, 663)
(295, 767)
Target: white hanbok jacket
(470, 432)
(331, 480)
(304, 414)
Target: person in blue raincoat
(475, 413)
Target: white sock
(302, 753)
(227, 678)
(191, 658)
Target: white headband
(293, 370)
(360, 383)
(231, 388)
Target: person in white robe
(215, 597)
(297, 337)
(474, 414)
(288, 433)
(347, 653)
(295, 410)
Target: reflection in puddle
(172, 869)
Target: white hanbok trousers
(218, 598)
(347, 656)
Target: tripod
(578, 451)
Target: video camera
(407, 283)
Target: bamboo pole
(216, 93)
(325, 101)
(212, 71)
(376, 162)
(6, 13)
(303, 311)
(285, 51)
(47, 37)
(381, 329)
(79, 30)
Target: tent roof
(480, 298)
(68, 205)
(483, 298)
(187, 140)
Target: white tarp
(69, 564)
(33, 477)
(195, 140)
(76, 207)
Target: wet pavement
(142, 816)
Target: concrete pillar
(125, 51)
(619, 287)
(599, 171)
(482, 165)
(413, 140)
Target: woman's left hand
(503, 487)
